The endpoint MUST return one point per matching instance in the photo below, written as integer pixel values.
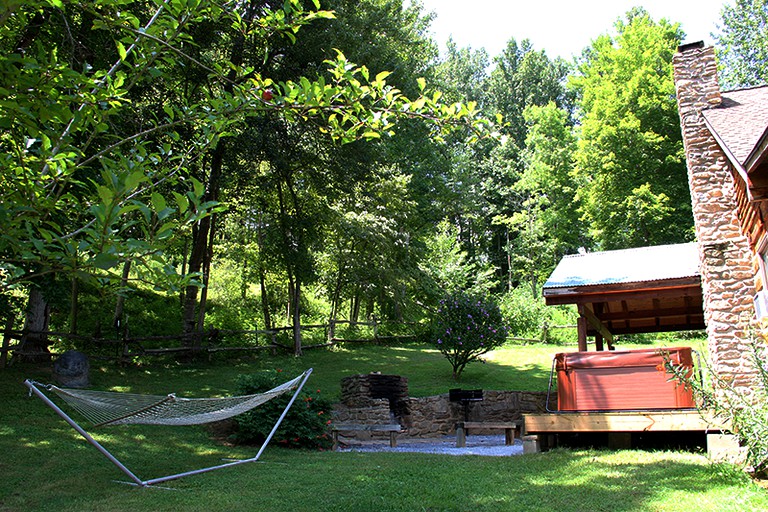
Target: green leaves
(465, 327)
(742, 43)
(630, 143)
(95, 170)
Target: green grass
(45, 465)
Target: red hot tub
(621, 380)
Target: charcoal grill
(465, 397)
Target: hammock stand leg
(244, 461)
(86, 435)
(146, 483)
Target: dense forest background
(176, 167)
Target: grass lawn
(45, 465)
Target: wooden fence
(210, 341)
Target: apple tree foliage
(90, 179)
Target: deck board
(629, 421)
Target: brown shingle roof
(740, 121)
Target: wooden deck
(541, 430)
(624, 421)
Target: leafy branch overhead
(96, 153)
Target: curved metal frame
(135, 480)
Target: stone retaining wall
(436, 416)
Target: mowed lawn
(45, 465)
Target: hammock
(109, 408)
(103, 408)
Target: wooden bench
(393, 430)
(511, 430)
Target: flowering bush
(467, 327)
(305, 426)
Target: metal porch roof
(642, 264)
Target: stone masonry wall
(374, 412)
(724, 251)
(436, 416)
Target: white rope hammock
(110, 408)
(114, 408)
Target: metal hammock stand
(159, 412)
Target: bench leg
(461, 437)
(393, 439)
(509, 436)
(335, 440)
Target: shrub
(305, 425)
(745, 408)
(467, 327)
(529, 317)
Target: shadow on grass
(556, 481)
(47, 466)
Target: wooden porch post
(582, 328)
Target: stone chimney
(724, 252)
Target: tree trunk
(184, 260)
(296, 317)
(117, 317)
(289, 302)
(508, 251)
(202, 233)
(190, 293)
(354, 313)
(263, 274)
(204, 292)
(336, 295)
(73, 305)
(292, 242)
(200, 255)
(264, 300)
(35, 342)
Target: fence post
(545, 332)
(6, 342)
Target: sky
(563, 28)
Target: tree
(91, 178)
(467, 327)
(523, 77)
(547, 226)
(629, 161)
(742, 43)
(311, 178)
(449, 268)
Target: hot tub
(621, 380)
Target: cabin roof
(642, 264)
(740, 121)
(648, 289)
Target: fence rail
(211, 341)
